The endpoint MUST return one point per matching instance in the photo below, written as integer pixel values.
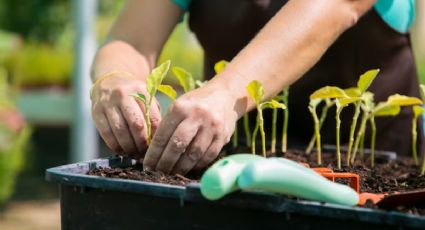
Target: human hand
(119, 116)
(193, 132)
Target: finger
(120, 130)
(194, 153)
(105, 132)
(210, 155)
(160, 139)
(178, 144)
(136, 122)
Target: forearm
(120, 56)
(288, 46)
(137, 37)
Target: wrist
(235, 91)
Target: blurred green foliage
(12, 144)
(37, 65)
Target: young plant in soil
(363, 84)
(341, 100)
(391, 107)
(283, 98)
(312, 108)
(153, 84)
(256, 92)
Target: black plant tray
(92, 202)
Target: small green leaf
(185, 78)
(403, 100)
(386, 109)
(156, 77)
(422, 91)
(140, 97)
(219, 66)
(328, 92)
(418, 110)
(168, 90)
(366, 79)
(353, 92)
(342, 102)
(272, 104)
(256, 91)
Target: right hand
(119, 117)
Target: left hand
(191, 135)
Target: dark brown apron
(224, 27)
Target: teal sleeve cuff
(183, 4)
(398, 14)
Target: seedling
(153, 84)
(363, 84)
(389, 108)
(312, 108)
(328, 104)
(367, 105)
(341, 100)
(256, 92)
(284, 142)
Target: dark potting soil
(137, 173)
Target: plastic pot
(91, 202)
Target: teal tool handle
(287, 177)
(221, 178)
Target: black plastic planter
(91, 202)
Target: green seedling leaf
(386, 109)
(156, 77)
(256, 91)
(422, 91)
(185, 78)
(140, 97)
(353, 92)
(328, 92)
(272, 104)
(168, 90)
(418, 110)
(403, 100)
(342, 102)
(366, 79)
(219, 66)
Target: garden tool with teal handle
(277, 175)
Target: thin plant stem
(262, 133)
(414, 140)
(359, 136)
(254, 135)
(338, 146)
(423, 165)
(352, 130)
(323, 115)
(285, 122)
(235, 137)
(316, 134)
(148, 124)
(372, 141)
(274, 124)
(247, 129)
(362, 147)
